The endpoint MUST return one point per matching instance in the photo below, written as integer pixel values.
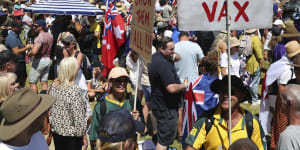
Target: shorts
(147, 92)
(181, 102)
(39, 70)
(166, 126)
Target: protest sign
(210, 15)
(142, 28)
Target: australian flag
(173, 3)
(198, 98)
(113, 36)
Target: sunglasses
(66, 44)
(121, 80)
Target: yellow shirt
(217, 137)
(96, 28)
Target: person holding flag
(113, 36)
(211, 129)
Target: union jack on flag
(173, 3)
(113, 36)
(198, 98)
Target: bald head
(292, 95)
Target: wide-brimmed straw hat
(290, 30)
(218, 85)
(20, 109)
(292, 49)
(249, 31)
(234, 42)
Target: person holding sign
(211, 129)
(166, 91)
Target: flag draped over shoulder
(113, 36)
(198, 98)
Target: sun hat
(20, 109)
(290, 29)
(118, 125)
(292, 49)
(234, 42)
(249, 31)
(117, 72)
(218, 85)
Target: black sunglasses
(121, 80)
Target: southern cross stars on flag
(113, 36)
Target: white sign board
(210, 15)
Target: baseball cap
(117, 72)
(118, 125)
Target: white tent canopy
(64, 7)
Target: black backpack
(210, 120)
(85, 66)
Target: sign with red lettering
(142, 28)
(210, 15)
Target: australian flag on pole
(113, 36)
(198, 98)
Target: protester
(14, 44)
(254, 63)
(41, 62)
(7, 86)
(95, 89)
(287, 73)
(22, 130)
(96, 44)
(67, 116)
(289, 138)
(234, 59)
(296, 65)
(116, 99)
(166, 90)
(7, 60)
(27, 25)
(216, 135)
(117, 131)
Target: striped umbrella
(64, 7)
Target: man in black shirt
(166, 91)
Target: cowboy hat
(292, 49)
(20, 110)
(249, 31)
(234, 42)
(290, 29)
(218, 85)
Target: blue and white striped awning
(64, 7)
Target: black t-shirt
(162, 73)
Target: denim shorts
(39, 70)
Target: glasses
(121, 80)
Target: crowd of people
(78, 106)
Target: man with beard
(14, 44)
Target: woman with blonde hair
(7, 86)
(67, 116)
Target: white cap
(168, 33)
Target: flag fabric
(198, 98)
(173, 3)
(113, 36)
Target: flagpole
(137, 82)
(229, 69)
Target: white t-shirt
(235, 63)
(37, 142)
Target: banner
(210, 15)
(142, 28)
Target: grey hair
(292, 94)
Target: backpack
(246, 46)
(85, 66)
(209, 121)
(103, 103)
